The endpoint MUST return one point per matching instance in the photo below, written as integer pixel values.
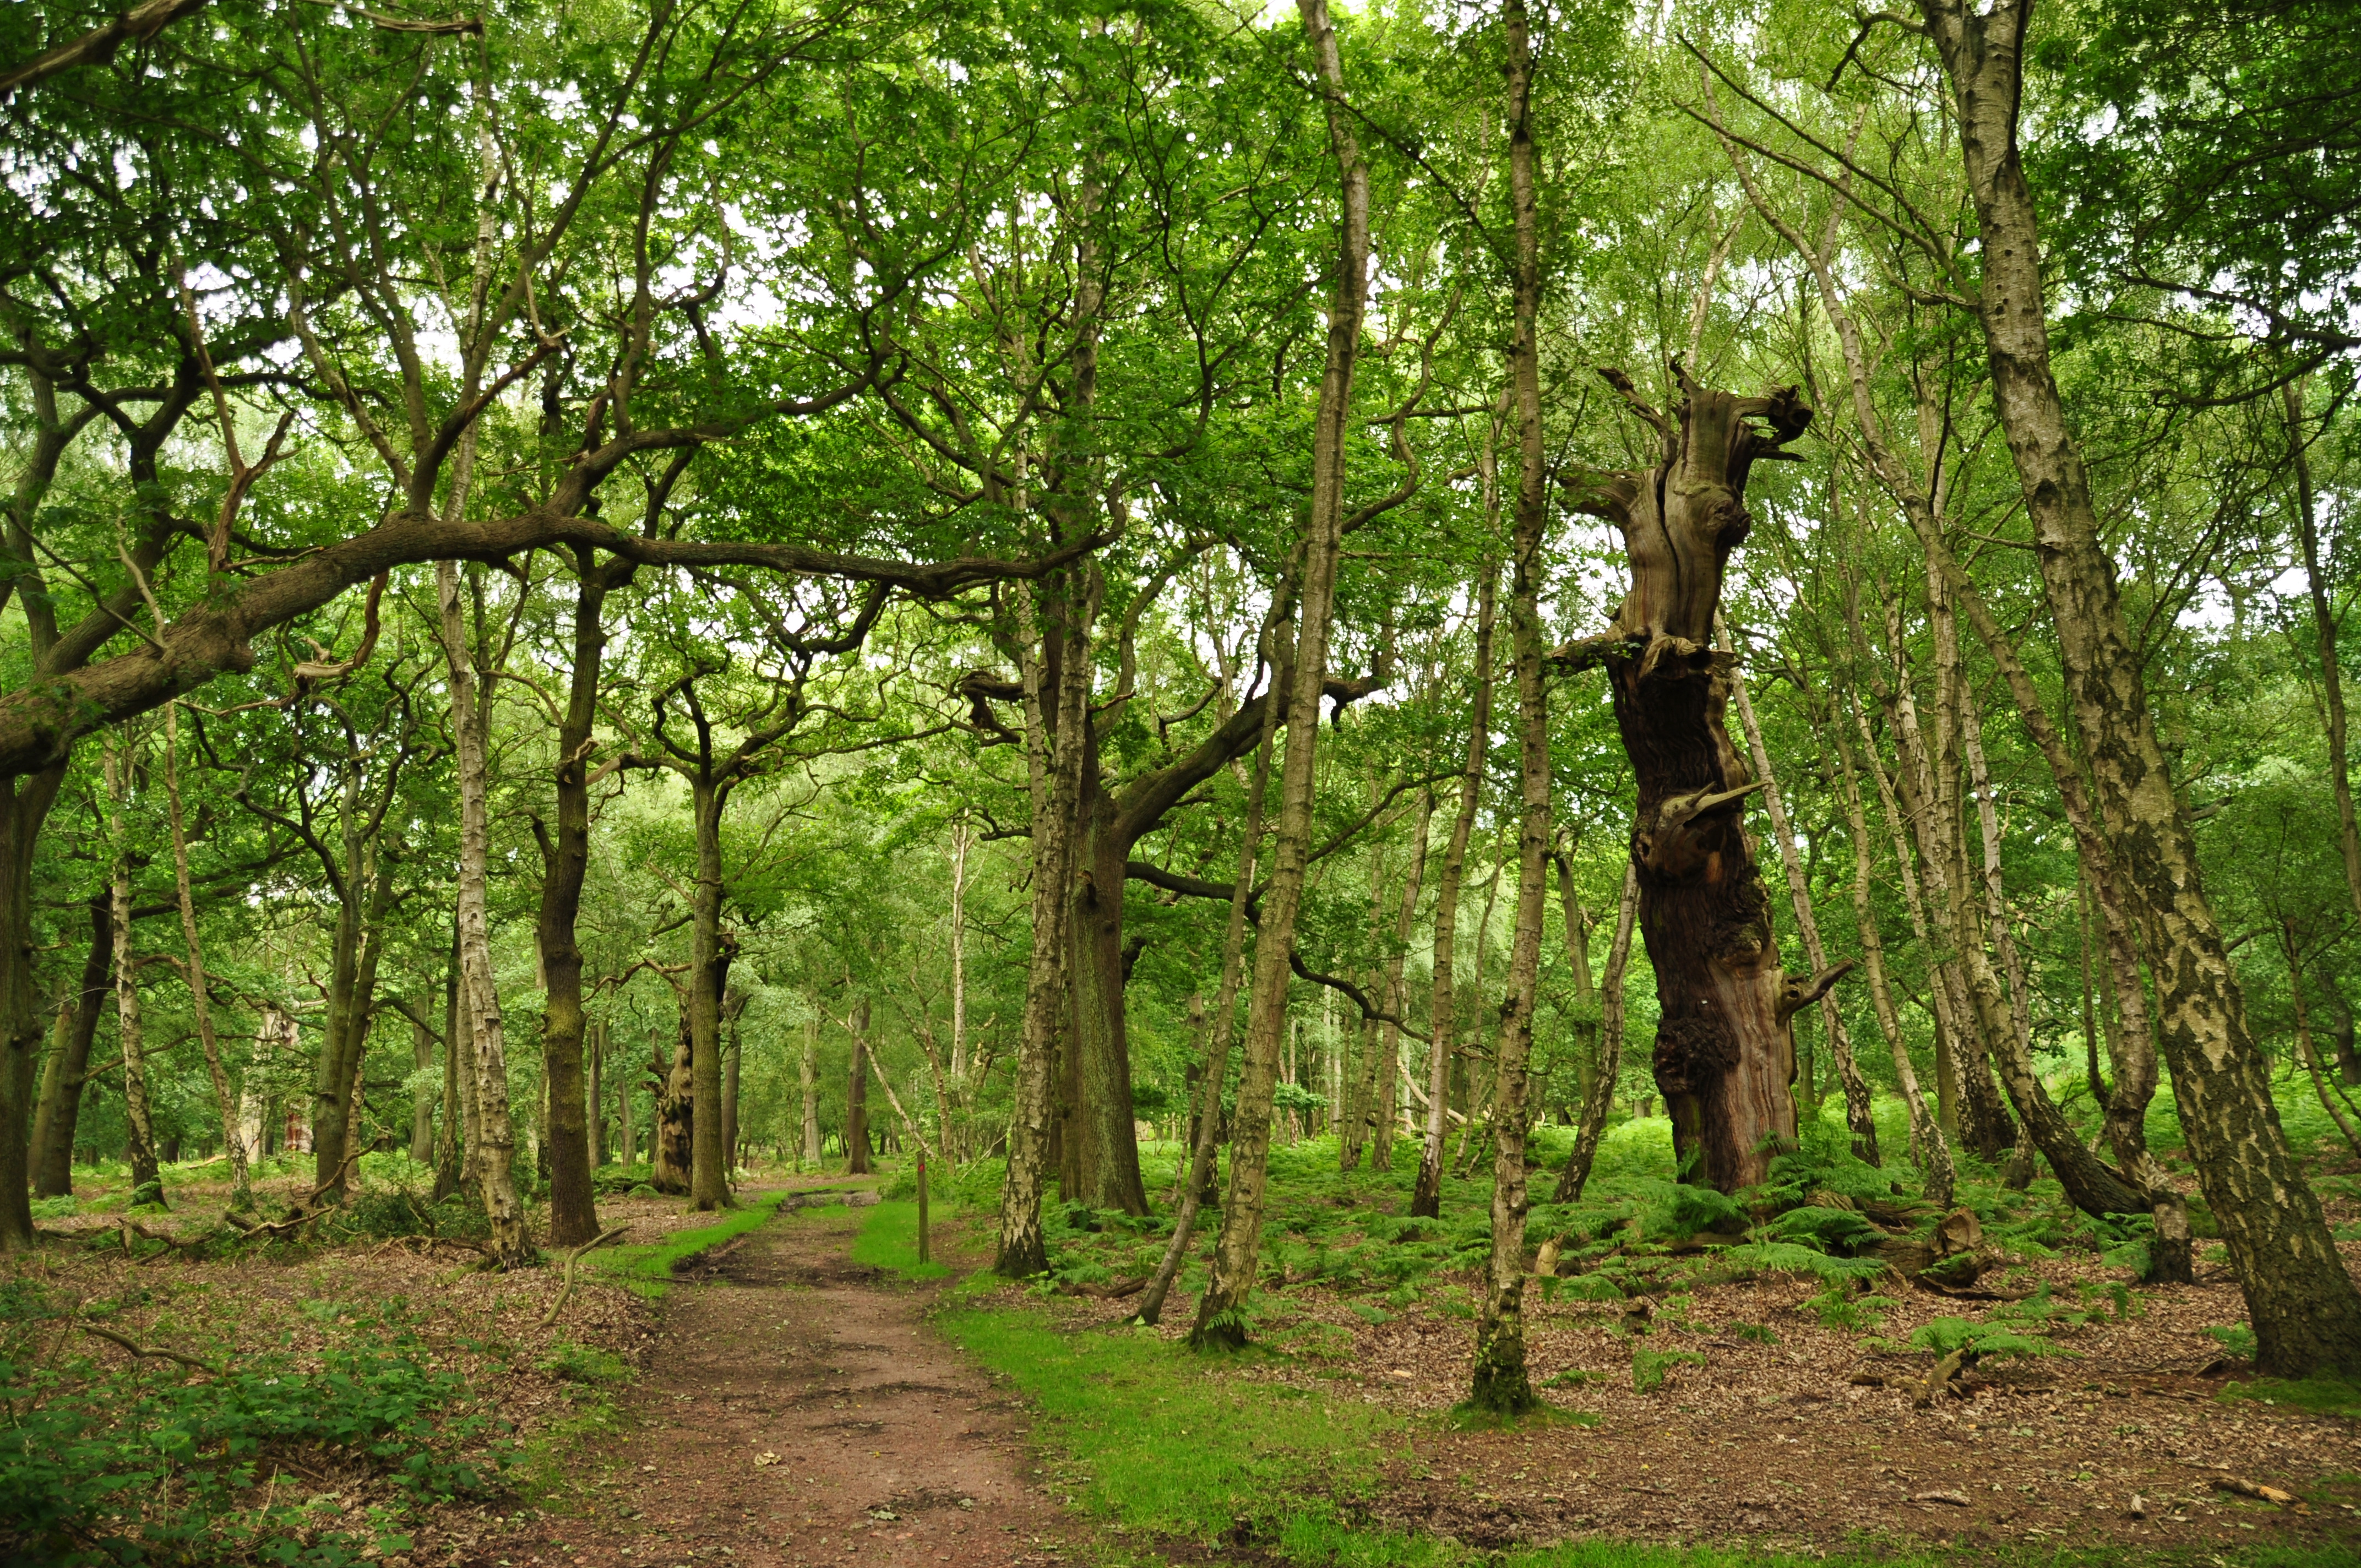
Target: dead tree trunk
(1724, 1057)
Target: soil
(796, 1410)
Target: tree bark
(137, 1115)
(1602, 1098)
(673, 1144)
(1385, 1116)
(1443, 1017)
(856, 1093)
(511, 1248)
(200, 998)
(2323, 623)
(1724, 1059)
(1238, 1253)
(807, 1078)
(1499, 1380)
(2300, 1299)
(69, 1059)
(1859, 1115)
(1927, 1140)
(566, 862)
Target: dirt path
(797, 1412)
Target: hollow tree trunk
(1724, 1059)
(1238, 1254)
(1443, 1016)
(2300, 1299)
(69, 1059)
(1499, 1380)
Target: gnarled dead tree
(1724, 1057)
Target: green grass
(2324, 1392)
(889, 1239)
(649, 1269)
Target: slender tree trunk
(455, 1148)
(1926, 1136)
(1358, 1087)
(2300, 1299)
(1442, 1019)
(1601, 1098)
(2323, 623)
(422, 1099)
(69, 1061)
(1236, 1253)
(1859, 1115)
(963, 841)
(733, 1009)
(137, 1115)
(594, 1052)
(856, 1093)
(2292, 952)
(199, 999)
(511, 1248)
(807, 1074)
(711, 948)
(1585, 1022)
(566, 861)
(1385, 1118)
(1499, 1380)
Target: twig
(601, 1239)
(149, 1350)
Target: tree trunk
(856, 1094)
(137, 1115)
(1384, 1124)
(1054, 669)
(1859, 1115)
(1927, 1140)
(1602, 1098)
(69, 1059)
(453, 1147)
(1724, 1059)
(1236, 1253)
(808, 1076)
(673, 1151)
(733, 1008)
(422, 1099)
(710, 950)
(1442, 1016)
(2323, 624)
(1101, 1153)
(511, 1248)
(200, 998)
(566, 861)
(2305, 1311)
(1498, 1381)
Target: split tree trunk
(1724, 1059)
(1238, 1254)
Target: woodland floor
(786, 1405)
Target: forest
(1537, 783)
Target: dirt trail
(798, 1411)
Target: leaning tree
(1724, 1057)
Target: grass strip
(648, 1268)
(889, 1239)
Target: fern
(1651, 1368)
